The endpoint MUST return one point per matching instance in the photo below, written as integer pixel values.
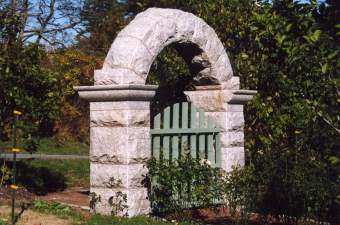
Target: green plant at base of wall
(184, 183)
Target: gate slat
(201, 143)
(193, 121)
(184, 138)
(210, 145)
(166, 138)
(175, 125)
(156, 144)
(218, 150)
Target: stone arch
(120, 102)
(138, 44)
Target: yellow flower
(16, 149)
(18, 113)
(14, 187)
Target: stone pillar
(120, 147)
(224, 103)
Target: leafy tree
(294, 121)
(24, 84)
(102, 20)
(75, 68)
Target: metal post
(14, 169)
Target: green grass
(139, 220)
(44, 176)
(75, 171)
(57, 209)
(66, 212)
(51, 146)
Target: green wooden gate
(183, 127)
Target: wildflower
(205, 162)
(16, 149)
(18, 113)
(14, 187)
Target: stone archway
(138, 44)
(120, 102)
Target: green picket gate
(184, 127)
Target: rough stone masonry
(120, 104)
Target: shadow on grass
(39, 179)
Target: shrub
(184, 183)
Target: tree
(102, 20)
(24, 84)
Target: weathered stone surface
(154, 39)
(232, 139)
(120, 145)
(137, 201)
(120, 118)
(133, 105)
(137, 45)
(117, 75)
(129, 52)
(228, 121)
(208, 101)
(233, 107)
(232, 84)
(232, 157)
(118, 176)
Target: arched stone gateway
(120, 103)
(138, 44)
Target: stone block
(137, 201)
(120, 145)
(119, 105)
(117, 75)
(120, 118)
(227, 121)
(208, 101)
(153, 39)
(233, 107)
(235, 121)
(117, 58)
(232, 84)
(223, 68)
(232, 157)
(232, 139)
(118, 176)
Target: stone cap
(242, 96)
(102, 93)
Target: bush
(184, 183)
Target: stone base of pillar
(120, 202)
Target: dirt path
(76, 197)
(29, 217)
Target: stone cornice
(102, 93)
(242, 96)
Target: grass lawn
(43, 176)
(42, 212)
(140, 220)
(51, 146)
(75, 171)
